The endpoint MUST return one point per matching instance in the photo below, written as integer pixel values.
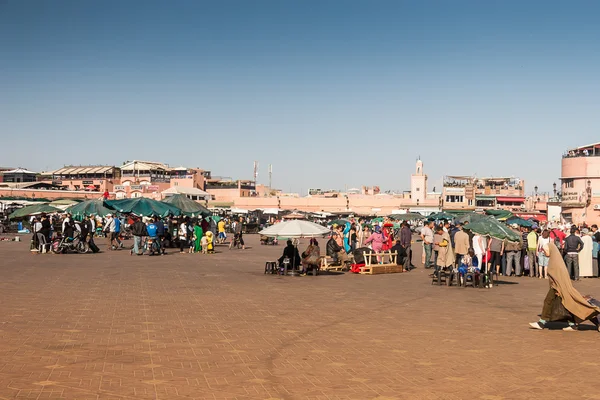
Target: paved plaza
(114, 326)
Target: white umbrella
(295, 229)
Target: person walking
(406, 242)
(183, 235)
(563, 301)
(572, 246)
(109, 230)
(138, 229)
(239, 232)
(221, 227)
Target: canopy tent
(294, 216)
(409, 216)
(34, 209)
(188, 207)
(63, 204)
(187, 191)
(89, 207)
(295, 229)
(490, 226)
(143, 207)
(238, 211)
(270, 211)
(519, 221)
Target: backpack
(556, 239)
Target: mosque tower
(418, 184)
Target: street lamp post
(554, 188)
(589, 192)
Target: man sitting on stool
(335, 251)
(401, 251)
(290, 251)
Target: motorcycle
(63, 245)
(153, 246)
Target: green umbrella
(470, 217)
(490, 226)
(143, 207)
(499, 214)
(407, 217)
(216, 218)
(339, 222)
(378, 219)
(89, 207)
(187, 206)
(440, 215)
(519, 221)
(34, 209)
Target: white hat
(109, 215)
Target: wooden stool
(439, 277)
(467, 281)
(270, 267)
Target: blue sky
(334, 94)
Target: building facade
(580, 185)
(470, 193)
(18, 175)
(90, 178)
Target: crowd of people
(446, 245)
(191, 235)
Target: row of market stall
(176, 205)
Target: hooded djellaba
(563, 302)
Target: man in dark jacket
(46, 228)
(573, 245)
(402, 254)
(290, 251)
(335, 251)
(138, 229)
(405, 241)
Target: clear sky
(334, 94)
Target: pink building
(470, 193)
(89, 178)
(580, 188)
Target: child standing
(204, 242)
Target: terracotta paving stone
(112, 326)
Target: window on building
(418, 189)
(454, 199)
(568, 183)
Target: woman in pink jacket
(377, 239)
